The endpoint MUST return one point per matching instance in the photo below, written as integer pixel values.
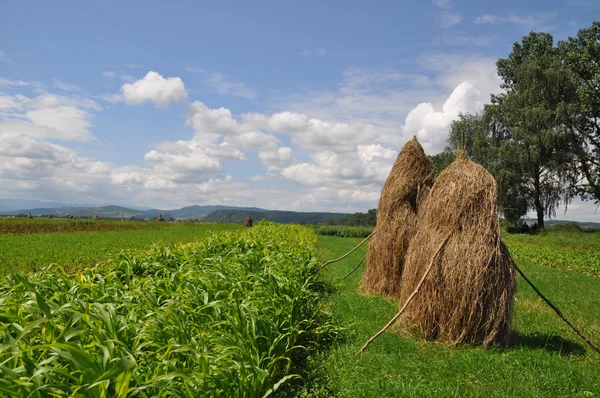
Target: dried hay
(405, 188)
(468, 296)
(160, 218)
(248, 222)
(96, 217)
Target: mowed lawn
(546, 359)
(25, 245)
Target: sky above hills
(280, 105)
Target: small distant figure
(160, 218)
(96, 217)
(525, 228)
(534, 228)
(71, 217)
(29, 216)
(248, 222)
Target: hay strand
(413, 294)
(558, 311)
(355, 268)
(468, 297)
(404, 190)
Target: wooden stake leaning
(558, 312)
(355, 268)
(347, 254)
(414, 293)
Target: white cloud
(206, 121)
(448, 17)
(65, 86)
(529, 22)
(109, 74)
(276, 158)
(257, 178)
(466, 41)
(12, 83)
(431, 127)
(153, 87)
(314, 51)
(221, 84)
(48, 116)
(195, 70)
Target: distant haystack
(468, 295)
(96, 217)
(71, 217)
(160, 218)
(248, 222)
(403, 191)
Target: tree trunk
(539, 208)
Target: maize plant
(224, 316)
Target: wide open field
(27, 244)
(207, 284)
(546, 359)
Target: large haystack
(468, 296)
(403, 191)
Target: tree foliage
(581, 54)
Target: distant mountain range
(228, 214)
(186, 213)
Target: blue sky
(282, 105)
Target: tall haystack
(248, 222)
(403, 191)
(468, 296)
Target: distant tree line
(367, 219)
(540, 137)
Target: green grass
(231, 315)
(546, 360)
(26, 252)
(558, 248)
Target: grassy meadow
(546, 359)
(178, 309)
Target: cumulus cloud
(155, 88)
(48, 116)
(432, 127)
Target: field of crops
(26, 244)
(221, 317)
(238, 313)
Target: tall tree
(528, 121)
(582, 55)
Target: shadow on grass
(549, 342)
